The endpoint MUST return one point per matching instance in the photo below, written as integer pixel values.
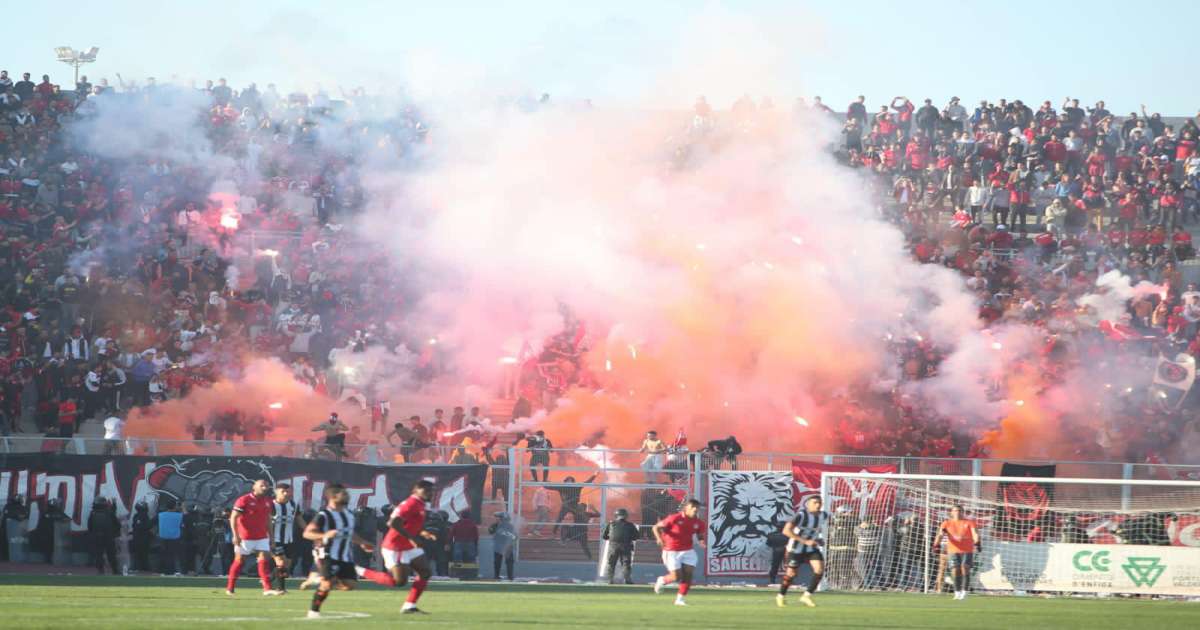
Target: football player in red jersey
(250, 524)
(675, 534)
(402, 551)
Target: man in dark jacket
(43, 538)
(103, 529)
(437, 550)
(139, 541)
(620, 534)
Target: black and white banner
(743, 508)
(215, 482)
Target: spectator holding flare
(250, 523)
(962, 541)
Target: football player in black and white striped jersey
(333, 529)
(806, 534)
(285, 516)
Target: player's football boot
(806, 599)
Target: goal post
(1038, 534)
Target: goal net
(1045, 535)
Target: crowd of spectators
(1032, 207)
(127, 278)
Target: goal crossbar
(1058, 480)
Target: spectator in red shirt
(1054, 150)
(1181, 241)
(1168, 205)
(1000, 239)
(464, 540)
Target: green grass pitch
(89, 603)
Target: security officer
(620, 534)
(139, 541)
(14, 520)
(188, 537)
(197, 527)
(103, 529)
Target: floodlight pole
(76, 58)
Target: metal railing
(579, 460)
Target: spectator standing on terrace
(437, 434)
(114, 432)
(541, 509)
(335, 435)
(498, 461)
(539, 453)
(656, 457)
(857, 111)
(405, 438)
(24, 88)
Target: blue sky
(660, 52)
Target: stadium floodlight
(76, 58)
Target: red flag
(861, 495)
(680, 439)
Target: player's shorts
(338, 570)
(285, 550)
(676, 559)
(393, 557)
(962, 559)
(797, 558)
(251, 547)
